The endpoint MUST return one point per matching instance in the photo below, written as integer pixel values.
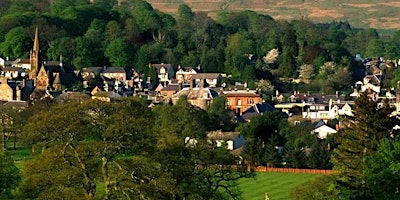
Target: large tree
(372, 122)
(9, 176)
(382, 171)
(86, 141)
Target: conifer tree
(372, 122)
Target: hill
(379, 14)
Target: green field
(277, 185)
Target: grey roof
(238, 139)
(171, 87)
(257, 110)
(319, 124)
(93, 69)
(114, 70)
(12, 69)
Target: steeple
(34, 56)
(36, 42)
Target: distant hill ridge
(379, 14)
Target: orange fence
(294, 170)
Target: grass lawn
(276, 184)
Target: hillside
(379, 14)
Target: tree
(239, 47)
(358, 140)
(15, 44)
(84, 142)
(375, 48)
(306, 72)
(219, 114)
(382, 171)
(272, 157)
(271, 56)
(288, 64)
(118, 53)
(9, 176)
(317, 189)
(61, 47)
(258, 133)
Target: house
(5, 62)
(165, 72)
(232, 140)
(257, 110)
(72, 97)
(105, 96)
(12, 90)
(184, 75)
(91, 71)
(211, 78)
(241, 100)
(322, 130)
(13, 72)
(166, 93)
(115, 73)
(198, 96)
(22, 63)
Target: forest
(246, 45)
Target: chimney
(202, 83)
(337, 94)
(180, 86)
(192, 83)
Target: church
(49, 75)
(41, 76)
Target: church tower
(34, 56)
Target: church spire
(34, 56)
(36, 42)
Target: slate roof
(171, 87)
(114, 70)
(22, 61)
(319, 124)
(93, 69)
(238, 139)
(11, 69)
(257, 110)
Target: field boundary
(295, 170)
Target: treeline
(119, 150)
(133, 34)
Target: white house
(232, 140)
(322, 130)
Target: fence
(294, 170)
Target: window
(250, 101)
(239, 102)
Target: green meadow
(278, 185)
